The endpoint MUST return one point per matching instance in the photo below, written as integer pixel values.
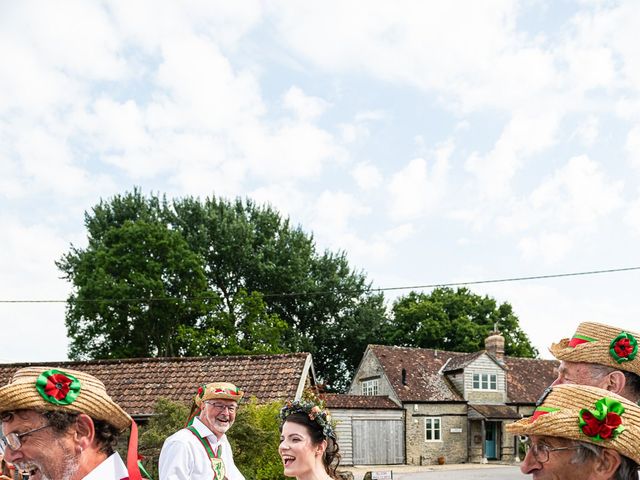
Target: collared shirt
(184, 458)
(112, 468)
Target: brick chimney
(494, 344)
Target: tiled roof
(528, 377)
(368, 402)
(461, 361)
(423, 383)
(136, 384)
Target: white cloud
(587, 131)
(415, 191)
(304, 106)
(366, 175)
(632, 146)
(523, 136)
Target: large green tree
(455, 320)
(242, 278)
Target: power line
(331, 292)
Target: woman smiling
(308, 445)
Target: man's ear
(607, 463)
(616, 382)
(84, 432)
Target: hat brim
(591, 352)
(22, 396)
(561, 425)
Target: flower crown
(315, 413)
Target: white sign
(386, 475)
(456, 430)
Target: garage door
(378, 442)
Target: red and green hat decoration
(624, 347)
(228, 391)
(604, 421)
(58, 387)
(578, 339)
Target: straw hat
(45, 388)
(587, 414)
(218, 390)
(601, 344)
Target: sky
(433, 142)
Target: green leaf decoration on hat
(58, 387)
(604, 422)
(624, 347)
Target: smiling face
(45, 454)
(219, 415)
(300, 456)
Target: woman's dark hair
(331, 457)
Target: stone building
(454, 406)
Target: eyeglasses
(12, 440)
(222, 406)
(541, 451)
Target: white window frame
(485, 381)
(370, 387)
(433, 425)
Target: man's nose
(530, 464)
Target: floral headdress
(314, 410)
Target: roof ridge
(107, 361)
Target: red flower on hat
(624, 347)
(604, 422)
(604, 428)
(58, 387)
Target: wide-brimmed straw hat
(218, 390)
(602, 344)
(587, 414)
(46, 388)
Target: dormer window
(370, 387)
(485, 381)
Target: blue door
(490, 440)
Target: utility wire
(331, 292)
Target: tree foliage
(455, 320)
(211, 277)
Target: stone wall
(453, 443)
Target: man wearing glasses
(201, 451)
(580, 432)
(61, 424)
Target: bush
(255, 438)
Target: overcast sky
(434, 142)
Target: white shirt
(183, 456)
(112, 468)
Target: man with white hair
(201, 451)
(602, 356)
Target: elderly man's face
(219, 415)
(45, 454)
(578, 373)
(550, 458)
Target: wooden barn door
(378, 442)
